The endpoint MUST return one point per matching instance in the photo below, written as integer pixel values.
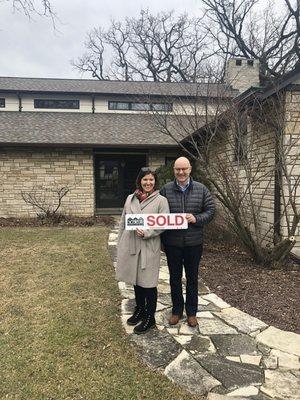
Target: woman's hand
(140, 232)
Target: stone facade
(259, 167)
(31, 169)
(158, 158)
(291, 144)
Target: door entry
(115, 178)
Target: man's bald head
(182, 161)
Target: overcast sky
(32, 47)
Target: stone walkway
(229, 355)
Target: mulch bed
(270, 295)
(58, 220)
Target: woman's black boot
(137, 316)
(148, 322)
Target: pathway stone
(200, 345)
(245, 391)
(187, 330)
(209, 327)
(230, 355)
(286, 360)
(243, 322)
(156, 348)
(234, 358)
(246, 359)
(204, 314)
(281, 385)
(231, 374)
(186, 372)
(288, 342)
(216, 396)
(213, 298)
(270, 362)
(183, 339)
(233, 345)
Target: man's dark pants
(189, 258)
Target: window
(238, 62)
(60, 104)
(140, 106)
(250, 63)
(135, 106)
(118, 105)
(2, 103)
(162, 106)
(240, 137)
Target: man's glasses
(147, 169)
(181, 169)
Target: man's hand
(190, 218)
(140, 232)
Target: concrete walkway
(230, 355)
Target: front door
(115, 178)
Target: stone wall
(251, 180)
(261, 139)
(157, 158)
(291, 144)
(32, 169)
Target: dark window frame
(113, 105)
(2, 102)
(46, 104)
(238, 62)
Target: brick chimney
(242, 73)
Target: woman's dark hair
(143, 172)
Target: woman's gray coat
(138, 258)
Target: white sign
(155, 221)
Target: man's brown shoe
(174, 319)
(192, 321)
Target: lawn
(60, 331)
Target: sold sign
(155, 221)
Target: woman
(138, 254)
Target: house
(94, 136)
(254, 157)
(91, 136)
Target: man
(184, 247)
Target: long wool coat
(138, 259)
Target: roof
(94, 86)
(100, 129)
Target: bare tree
(166, 48)
(247, 158)
(155, 48)
(46, 201)
(31, 7)
(258, 30)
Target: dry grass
(60, 331)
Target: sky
(33, 48)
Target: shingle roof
(94, 86)
(89, 129)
